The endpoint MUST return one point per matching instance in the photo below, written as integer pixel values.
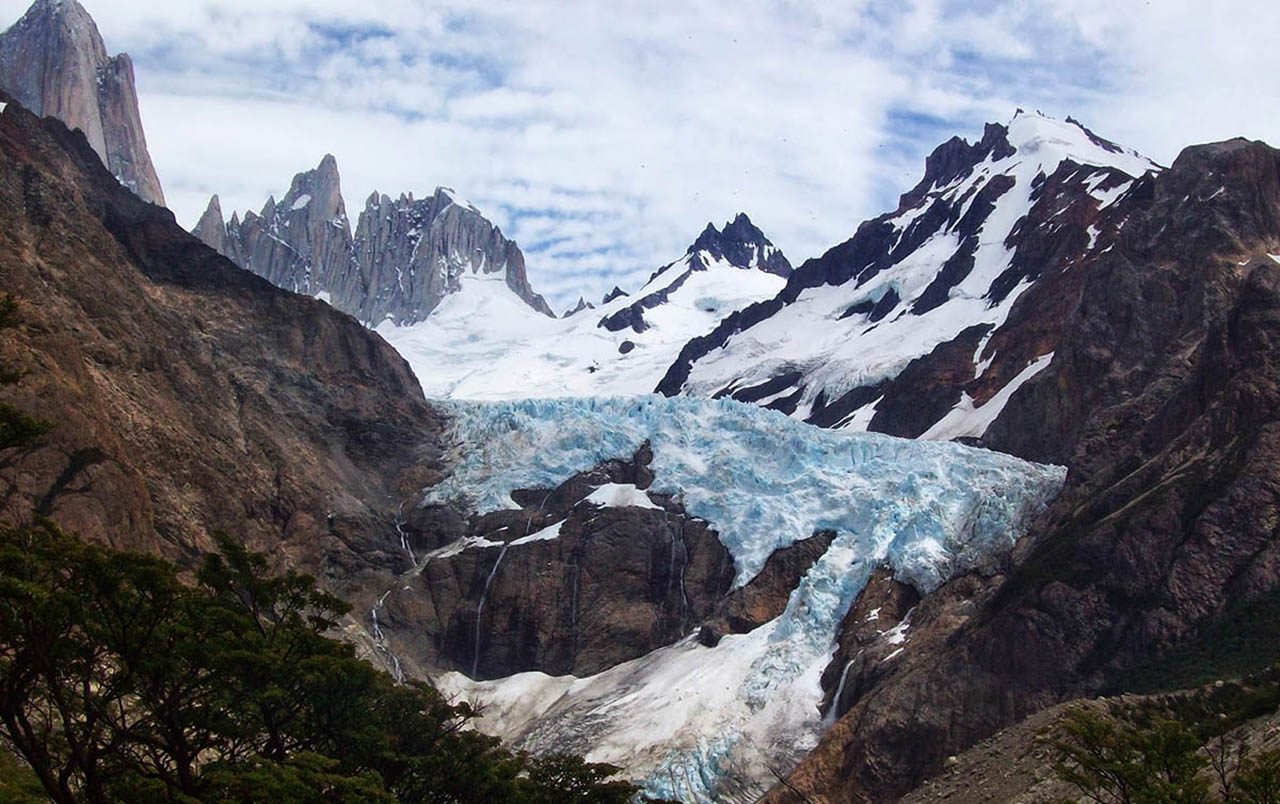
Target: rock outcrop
(563, 585)
(405, 257)
(739, 245)
(53, 62)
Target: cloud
(603, 136)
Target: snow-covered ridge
(687, 718)
(947, 260)
(480, 344)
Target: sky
(603, 136)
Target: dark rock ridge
(562, 585)
(582, 304)
(405, 257)
(1162, 399)
(53, 62)
(739, 244)
(189, 395)
(966, 192)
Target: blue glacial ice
(693, 722)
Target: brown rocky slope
(1162, 398)
(190, 395)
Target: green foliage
(18, 785)
(1244, 639)
(1258, 781)
(120, 683)
(1112, 761)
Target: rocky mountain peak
(53, 61)
(405, 256)
(317, 191)
(741, 244)
(212, 228)
(582, 304)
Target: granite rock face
(560, 585)
(405, 256)
(53, 61)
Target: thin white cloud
(603, 136)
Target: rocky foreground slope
(189, 395)
(53, 61)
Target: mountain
(190, 396)
(926, 321)
(480, 344)
(53, 62)
(583, 536)
(405, 258)
(1162, 400)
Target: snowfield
(484, 343)
(703, 724)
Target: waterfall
(380, 639)
(832, 713)
(475, 661)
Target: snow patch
(968, 421)
(545, 535)
(301, 202)
(621, 495)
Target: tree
(1112, 761)
(1258, 781)
(118, 682)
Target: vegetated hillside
(189, 395)
(1162, 398)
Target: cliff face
(189, 395)
(406, 256)
(53, 62)
(1162, 398)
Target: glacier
(706, 724)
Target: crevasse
(706, 724)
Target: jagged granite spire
(53, 61)
(302, 243)
(416, 252)
(406, 256)
(212, 228)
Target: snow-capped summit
(918, 325)
(621, 347)
(740, 246)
